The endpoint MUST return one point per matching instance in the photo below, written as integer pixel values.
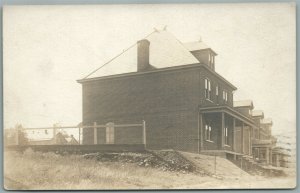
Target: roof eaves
(219, 76)
(139, 73)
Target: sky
(47, 48)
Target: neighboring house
(59, 139)
(280, 158)
(174, 87)
(263, 143)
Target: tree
(10, 136)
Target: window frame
(207, 88)
(226, 136)
(225, 96)
(207, 133)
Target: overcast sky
(48, 48)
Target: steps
(249, 165)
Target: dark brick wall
(168, 101)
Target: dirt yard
(156, 170)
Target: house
(174, 88)
(280, 157)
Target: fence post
(17, 136)
(95, 133)
(54, 133)
(144, 132)
(215, 164)
(79, 135)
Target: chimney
(143, 55)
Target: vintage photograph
(149, 96)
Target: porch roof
(230, 111)
(262, 143)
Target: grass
(49, 171)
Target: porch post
(95, 133)
(242, 138)
(271, 161)
(144, 132)
(200, 133)
(233, 134)
(267, 155)
(251, 137)
(222, 130)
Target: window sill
(209, 141)
(226, 145)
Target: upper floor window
(207, 89)
(225, 96)
(207, 133)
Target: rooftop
(199, 45)
(257, 113)
(243, 103)
(165, 51)
(266, 121)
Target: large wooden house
(174, 88)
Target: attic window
(211, 60)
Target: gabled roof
(258, 113)
(165, 51)
(243, 103)
(199, 45)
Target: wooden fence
(80, 128)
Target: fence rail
(109, 128)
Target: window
(207, 133)
(211, 60)
(217, 90)
(207, 89)
(225, 96)
(226, 135)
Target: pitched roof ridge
(182, 44)
(118, 55)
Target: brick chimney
(143, 55)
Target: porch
(222, 128)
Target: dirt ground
(48, 171)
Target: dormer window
(225, 96)
(211, 60)
(207, 89)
